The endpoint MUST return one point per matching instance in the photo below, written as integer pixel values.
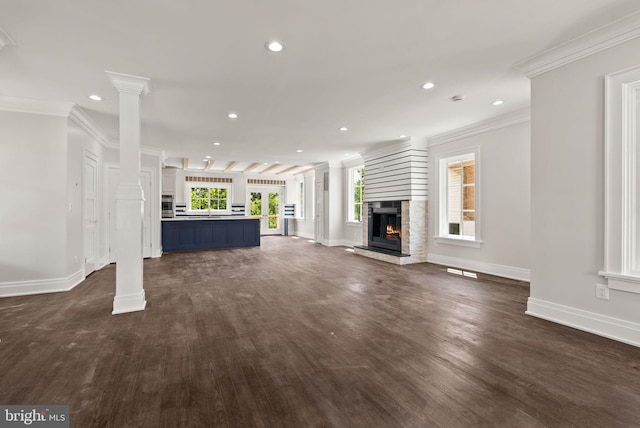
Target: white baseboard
(483, 267)
(305, 235)
(602, 325)
(41, 286)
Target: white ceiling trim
(602, 38)
(35, 106)
(129, 83)
(503, 121)
(80, 118)
(84, 121)
(5, 39)
(387, 149)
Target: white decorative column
(129, 197)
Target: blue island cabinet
(206, 234)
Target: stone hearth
(414, 235)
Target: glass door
(264, 204)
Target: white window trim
(300, 211)
(441, 212)
(622, 171)
(190, 184)
(350, 201)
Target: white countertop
(220, 217)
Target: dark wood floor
(295, 334)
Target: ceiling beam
(270, 168)
(304, 172)
(291, 168)
(230, 167)
(209, 164)
(251, 167)
(185, 163)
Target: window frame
(301, 199)
(622, 181)
(191, 184)
(442, 235)
(351, 203)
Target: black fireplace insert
(385, 225)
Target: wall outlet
(602, 292)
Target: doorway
(90, 212)
(265, 203)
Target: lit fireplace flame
(393, 233)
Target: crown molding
(130, 84)
(607, 36)
(5, 39)
(493, 124)
(387, 148)
(35, 106)
(352, 162)
(84, 121)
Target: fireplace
(385, 225)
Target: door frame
(91, 266)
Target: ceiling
(358, 64)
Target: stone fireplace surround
(414, 235)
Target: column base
(129, 303)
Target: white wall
(504, 195)
(333, 212)
(568, 198)
(35, 207)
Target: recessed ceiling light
(274, 46)
(232, 116)
(215, 143)
(266, 163)
(208, 157)
(346, 154)
(95, 97)
(344, 128)
(402, 136)
(497, 103)
(205, 160)
(277, 162)
(428, 85)
(299, 151)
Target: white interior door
(266, 204)
(145, 182)
(90, 213)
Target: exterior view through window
(461, 192)
(208, 199)
(357, 194)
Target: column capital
(130, 84)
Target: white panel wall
(34, 208)
(399, 175)
(568, 197)
(504, 193)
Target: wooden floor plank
(294, 334)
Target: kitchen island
(206, 233)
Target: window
(622, 181)
(301, 199)
(206, 199)
(356, 177)
(458, 199)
